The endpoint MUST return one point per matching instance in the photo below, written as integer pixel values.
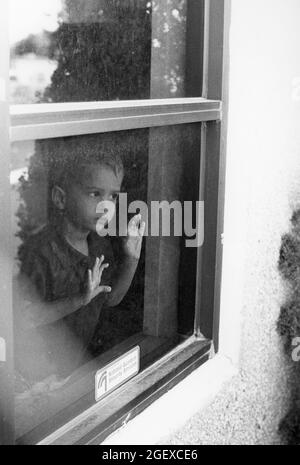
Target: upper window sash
(68, 119)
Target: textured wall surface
(262, 190)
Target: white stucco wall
(240, 396)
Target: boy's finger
(142, 228)
(135, 220)
(102, 268)
(89, 278)
(105, 265)
(104, 289)
(96, 264)
(101, 262)
(133, 226)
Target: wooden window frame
(44, 121)
(66, 119)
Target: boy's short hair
(69, 156)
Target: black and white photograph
(150, 225)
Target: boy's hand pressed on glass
(133, 241)
(127, 266)
(94, 287)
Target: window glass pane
(72, 200)
(91, 50)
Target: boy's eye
(115, 196)
(95, 194)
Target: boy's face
(96, 184)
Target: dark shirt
(59, 271)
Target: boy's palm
(94, 287)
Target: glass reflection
(75, 294)
(63, 332)
(79, 50)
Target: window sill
(161, 419)
(131, 400)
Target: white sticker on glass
(116, 373)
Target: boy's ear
(59, 197)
